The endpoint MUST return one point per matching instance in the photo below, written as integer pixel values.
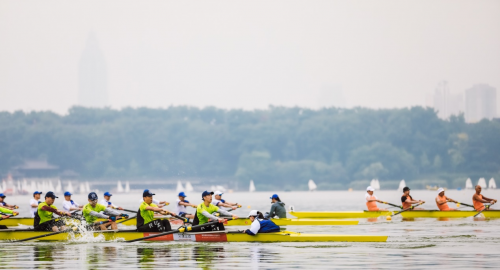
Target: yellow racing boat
(16, 221)
(406, 214)
(217, 236)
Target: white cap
(369, 188)
(440, 190)
(253, 213)
(218, 192)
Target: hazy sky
(248, 54)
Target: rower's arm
(210, 216)
(450, 200)
(5, 210)
(97, 214)
(483, 200)
(50, 209)
(440, 202)
(488, 199)
(254, 228)
(272, 212)
(224, 212)
(155, 209)
(111, 212)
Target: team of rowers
(407, 202)
(148, 215)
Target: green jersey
(202, 207)
(5, 210)
(147, 215)
(45, 215)
(88, 208)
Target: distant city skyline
(380, 54)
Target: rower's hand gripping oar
(409, 208)
(180, 230)
(486, 207)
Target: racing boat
(406, 214)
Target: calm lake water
(424, 243)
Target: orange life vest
(372, 206)
(442, 207)
(477, 204)
(405, 204)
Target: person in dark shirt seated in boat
(407, 200)
(260, 224)
(277, 209)
(442, 201)
(478, 199)
(146, 214)
(44, 217)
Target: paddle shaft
(398, 206)
(41, 236)
(466, 204)
(172, 232)
(485, 207)
(409, 208)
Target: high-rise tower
(92, 75)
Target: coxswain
(93, 210)
(219, 202)
(372, 200)
(182, 203)
(205, 211)
(6, 205)
(69, 204)
(277, 209)
(34, 202)
(146, 215)
(478, 199)
(107, 201)
(407, 201)
(260, 224)
(44, 218)
(442, 201)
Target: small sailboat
(82, 188)
(402, 185)
(69, 187)
(189, 187)
(492, 184)
(179, 188)
(482, 183)
(468, 184)
(58, 187)
(127, 187)
(119, 187)
(252, 186)
(312, 185)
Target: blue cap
(206, 193)
(67, 193)
(51, 194)
(2, 195)
(182, 194)
(37, 192)
(107, 194)
(275, 196)
(146, 193)
(93, 196)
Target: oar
(130, 211)
(409, 208)
(459, 203)
(45, 235)
(126, 219)
(182, 229)
(398, 206)
(485, 207)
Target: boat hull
(15, 221)
(284, 236)
(406, 214)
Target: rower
(371, 200)
(442, 201)
(478, 199)
(181, 206)
(407, 200)
(277, 209)
(44, 218)
(107, 203)
(260, 224)
(146, 212)
(69, 204)
(34, 202)
(6, 205)
(93, 210)
(3, 215)
(204, 212)
(219, 202)
(158, 203)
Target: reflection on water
(206, 256)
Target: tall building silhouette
(92, 75)
(480, 103)
(446, 103)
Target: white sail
(4, 186)
(220, 188)
(482, 183)
(468, 184)
(82, 188)
(127, 187)
(25, 187)
(492, 184)
(189, 187)
(19, 189)
(312, 185)
(87, 187)
(402, 185)
(372, 183)
(252, 186)
(69, 187)
(375, 184)
(179, 188)
(119, 187)
(58, 187)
